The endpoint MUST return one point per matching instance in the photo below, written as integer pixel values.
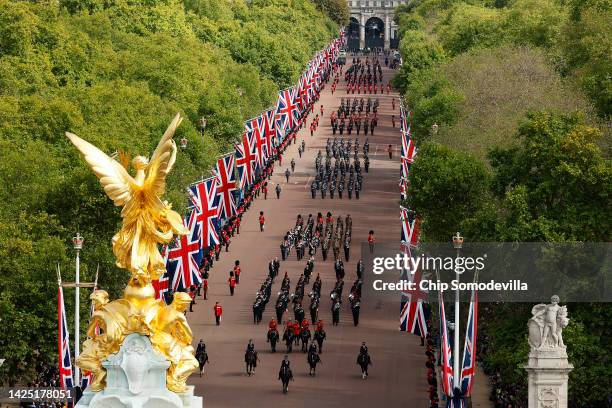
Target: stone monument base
(548, 371)
(136, 378)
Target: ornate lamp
(202, 123)
(434, 129)
(457, 241)
(77, 241)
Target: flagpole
(78, 245)
(457, 243)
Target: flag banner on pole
(269, 127)
(184, 256)
(405, 117)
(409, 152)
(410, 227)
(245, 160)
(287, 110)
(226, 186)
(203, 197)
(63, 343)
(468, 371)
(403, 185)
(446, 354)
(255, 129)
(412, 315)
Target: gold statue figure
(147, 222)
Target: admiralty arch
(372, 24)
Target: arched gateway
(372, 24)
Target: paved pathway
(398, 374)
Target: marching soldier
(313, 188)
(340, 188)
(350, 188)
(347, 246)
(332, 188)
(336, 247)
(323, 188)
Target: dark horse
(305, 337)
(288, 337)
(364, 361)
(313, 360)
(250, 358)
(202, 357)
(273, 338)
(285, 375)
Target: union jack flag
(403, 185)
(269, 127)
(63, 343)
(409, 152)
(412, 316)
(469, 350)
(203, 198)
(245, 160)
(411, 226)
(226, 186)
(255, 131)
(405, 116)
(287, 110)
(185, 255)
(161, 286)
(447, 357)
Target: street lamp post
(457, 244)
(202, 124)
(78, 245)
(434, 129)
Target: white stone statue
(547, 324)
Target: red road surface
(398, 375)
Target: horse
(288, 337)
(305, 337)
(250, 358)
(313, 360)
(273, 338)
(285, 375)
(364, 361)
(202, 358)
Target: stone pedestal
(548, 371)
(136, 378)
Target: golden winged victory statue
(148, 222)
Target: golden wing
(162, 160)
(114, 178)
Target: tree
(561, 174)
(446, 188)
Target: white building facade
(372, 24)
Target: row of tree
(115, 72)
(521, 95)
